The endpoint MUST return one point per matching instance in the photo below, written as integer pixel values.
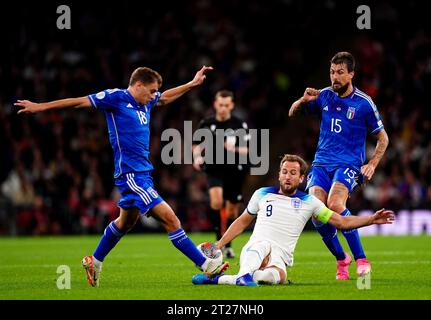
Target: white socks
(97, 263)
(268, 276)
(225, 279)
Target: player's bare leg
(127, 219)
(166, 216)
(329, 237)
(337, 199)
(319, 193)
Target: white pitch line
(376, 263)
(29, 266)
(376, 253)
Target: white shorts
(277, 257)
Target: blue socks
(108, 241)
(352, 237)
(183, 243)
(179, 239)
(329, 237)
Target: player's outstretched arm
(236, 228)
(352, 222)
(382, 143)
(33, 107)
(171, 95)
(310, 94)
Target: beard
(341, 90)
(289, 190)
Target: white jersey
(281, 219)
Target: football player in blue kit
(127, 113)
(346, 115)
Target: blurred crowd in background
(56, 168)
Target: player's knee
(171, 223)
(319, 193)
(336, 205)
(271, 275)
(126, 223)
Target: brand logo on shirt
(350, 113)
(326, 108)
(129, 106)
(296, 203)
(213, 127)
(100, 95)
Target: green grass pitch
(147, 266)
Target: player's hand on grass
(28, 106)
(310, 94)
(200, 76)
(383, 216)
(368, 171)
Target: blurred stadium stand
(56, 168)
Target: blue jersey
(345, 123)
(129, 129)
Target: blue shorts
(137, 191)
(324, 177)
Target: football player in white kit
(281, 214)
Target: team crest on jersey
(296, 203)
(153, 193)
(350, 113)
(100, 95)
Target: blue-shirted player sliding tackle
(127, 114)
(347, 115)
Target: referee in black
(224, 180)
